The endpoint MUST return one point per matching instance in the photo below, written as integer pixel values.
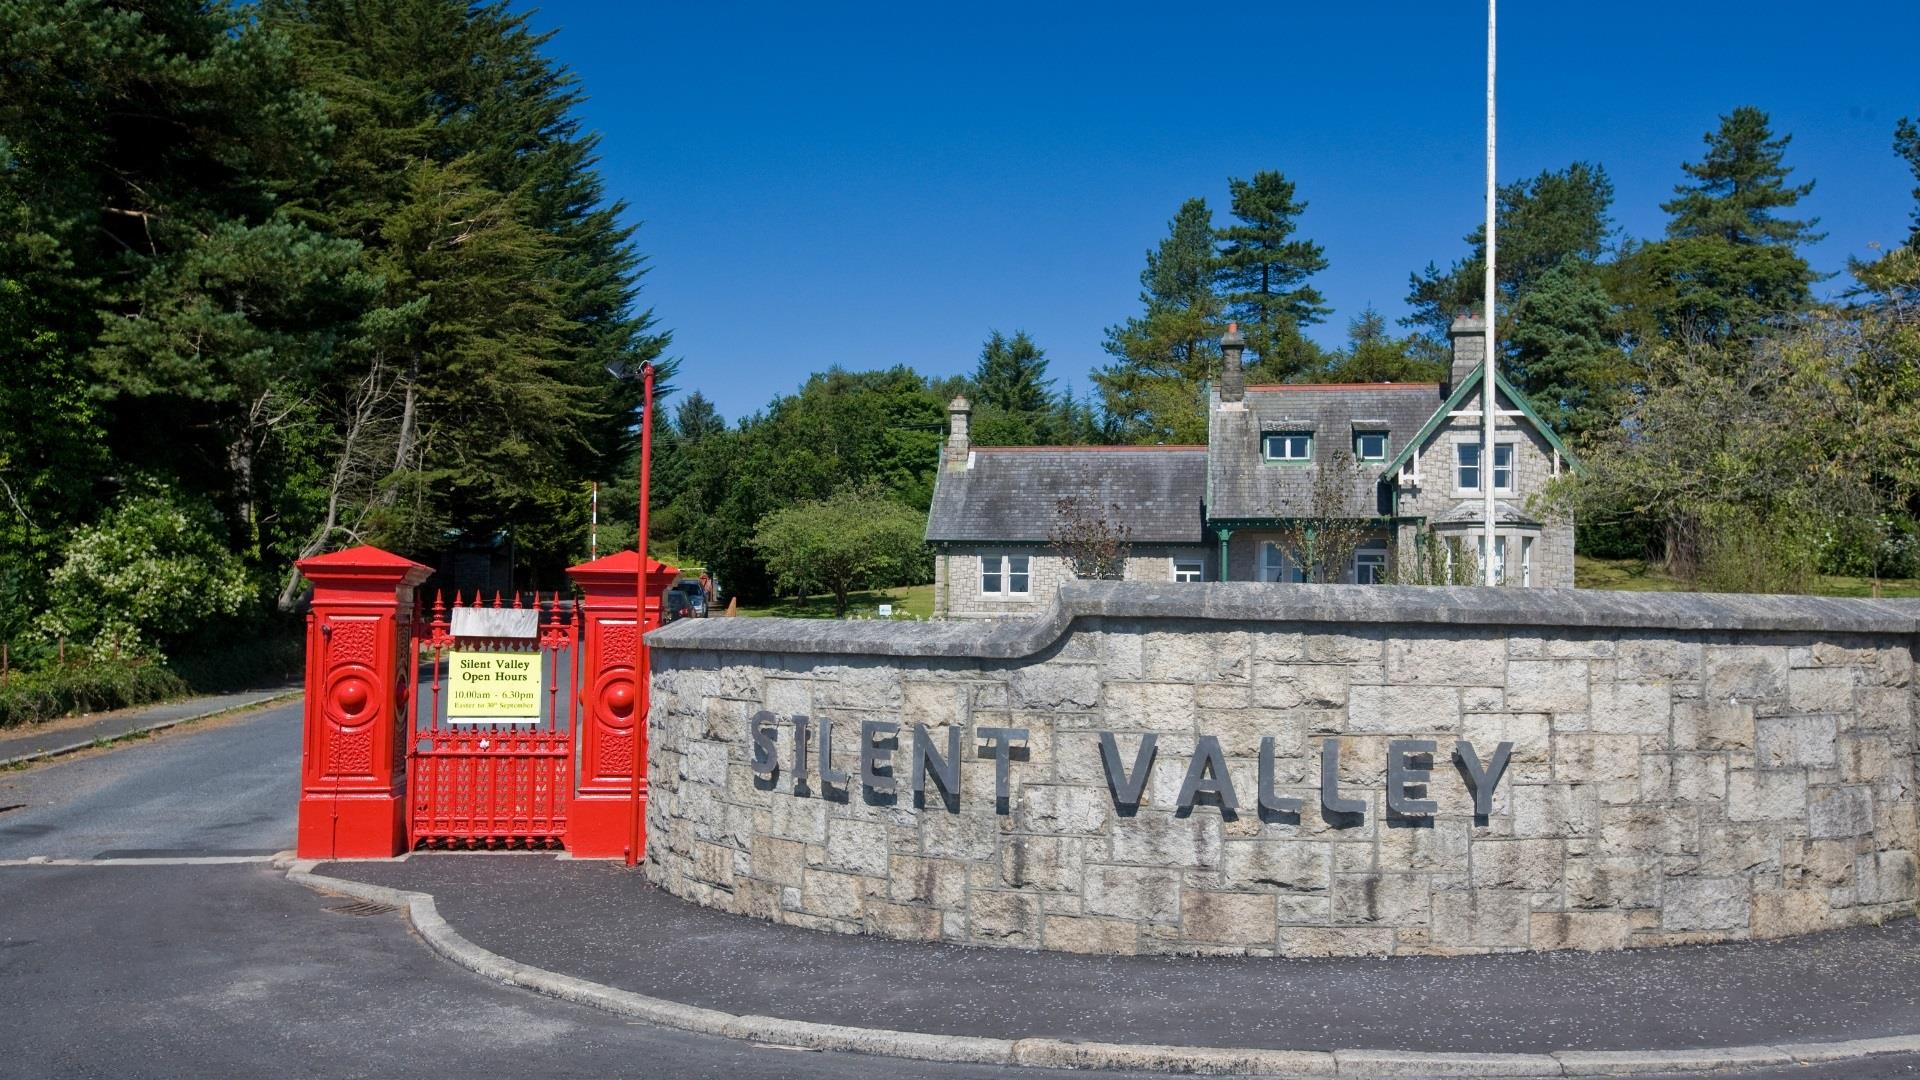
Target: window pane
(1369, 567)
(1468, 457)
(1017, 576)
(990, 573)
(1503, 466)
(1270, 562)
(1187, 569)
(1288, 446)
(1370, 445)
(1499, 557)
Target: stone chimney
(1468, 335)
(959, 412)
(1233, 377)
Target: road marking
(184, 860)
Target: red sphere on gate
(619, 698)
(351, 696)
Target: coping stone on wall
(1007, 639)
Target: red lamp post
(642, 667)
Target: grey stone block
(1705, 904)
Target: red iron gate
(483, 781)
(384, 768)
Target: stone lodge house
(1218, 512)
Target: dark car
(676, 606)
(690, 592)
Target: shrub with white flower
(145, 574)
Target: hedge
(31, 697)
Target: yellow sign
(488, 686)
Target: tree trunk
(404, 445)
(351, 468)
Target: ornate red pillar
(608, 739)
(359, 688)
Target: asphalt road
(165, 970)
(223, 787)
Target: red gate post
(359, 690)
(602, 811)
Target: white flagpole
(1488, 453)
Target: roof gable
(1456, 399)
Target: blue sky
(870, 185)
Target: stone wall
(1682, 769)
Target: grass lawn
(1634, 575)
(915, 600)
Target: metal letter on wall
(1402, 774)
(1207, 774)
(1127, 788)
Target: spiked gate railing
(493, 780)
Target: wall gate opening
(400, 751)
(490, 761)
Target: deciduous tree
(856, 538)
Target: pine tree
(696, 418)
(1564, 348)
(1738, 186)
(1372, 355)
(1545, 220)
(1554, 234)
(1729, 265)
(160, 300)
(1152, 392)
(1906, 143)
(1262, 272)
(1012, 399)
(461, 169)
(1011, 374)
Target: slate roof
(1240, 485)
(1008, 494)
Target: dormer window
(1370, 445)
(1287, 446)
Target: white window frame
(1460, 466)
(1001, 569)
(1512, 454)
(1286, 441)
(1373, 557)
(1526, 562)
(1499, 556)
(1371, 433)
(1277, 565)
(1508, 450)
(1187, 568)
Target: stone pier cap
(1243, 601)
